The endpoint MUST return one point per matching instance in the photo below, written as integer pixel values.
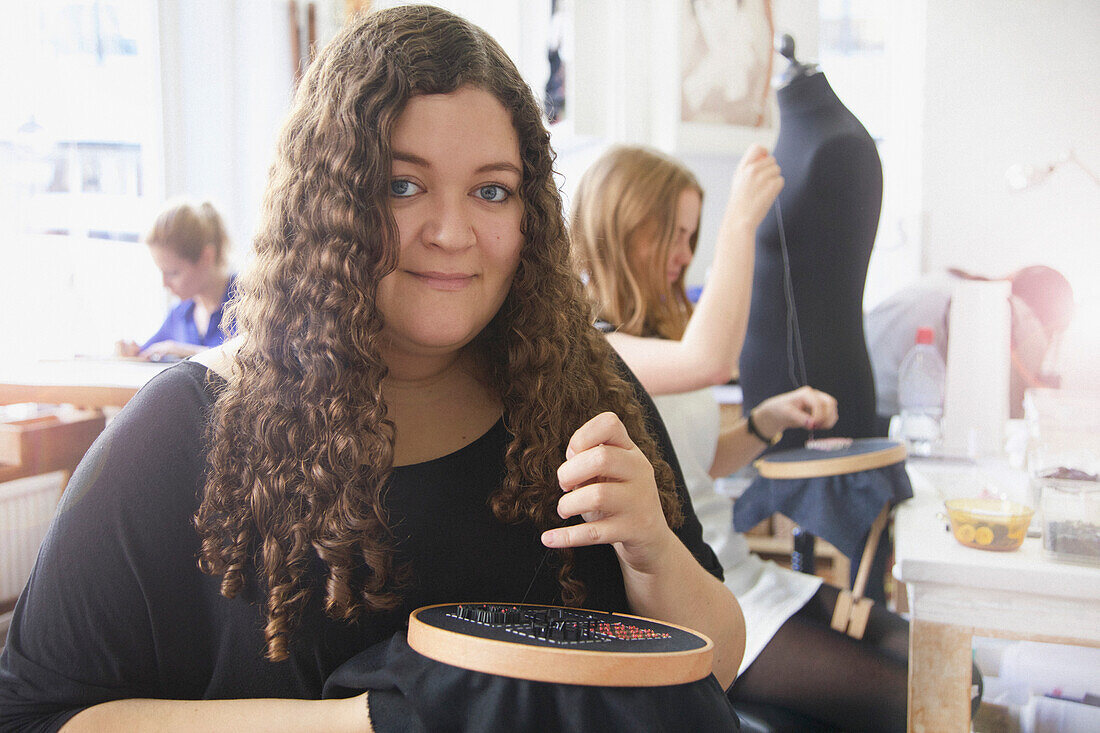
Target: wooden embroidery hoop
(691, 661)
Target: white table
(957, 592)
(91, 383)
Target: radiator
(26, 507)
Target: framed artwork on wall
(686, 76)
(724, 69)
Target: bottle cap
(925, 335)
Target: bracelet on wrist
(754, 430)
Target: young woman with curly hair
(416, 408)
(635, 223)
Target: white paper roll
(976, 402)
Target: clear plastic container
(1063, 458)
(1071, 519)
(988, 524)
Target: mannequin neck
(806, 93)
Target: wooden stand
(852, 609)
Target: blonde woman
(188, 243)
(634, 225)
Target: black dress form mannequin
(830, 206)
(830, 209)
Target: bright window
(81, 175)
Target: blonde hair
(185, 228)
(628, 193)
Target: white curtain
(226, 84)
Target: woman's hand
(756, 183)
(609, 483)
(805, 407)
(126, 348)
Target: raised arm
(708, 352)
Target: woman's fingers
(126, 348)
(609, 483)
(828, 412)
(819, 407)
(761, 170)
(603, 429)
(584, 534)
(596, 500)
(756, 183)
(613, 513)
(804, 407)
(755, 152)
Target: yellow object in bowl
(988, 524)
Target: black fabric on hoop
(839, 509)
(411, 693)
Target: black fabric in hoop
(839, 509)
(410, 693)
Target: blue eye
(403, 188)
(493, 193)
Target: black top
(830, 208)
(117, 608)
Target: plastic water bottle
(920, 394)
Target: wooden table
(956, 592)
(57, 441)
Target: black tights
(825, 675)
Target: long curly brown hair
(300, 446)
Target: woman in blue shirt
(188, 244)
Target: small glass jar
(1063, 459)
(1071, 518)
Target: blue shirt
(180, 323)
